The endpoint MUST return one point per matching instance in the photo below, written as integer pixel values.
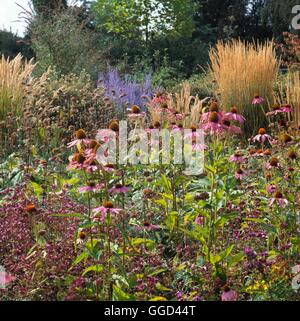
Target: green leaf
(94, 268)
(158, 272)
(140, 241)
(158, 298)
(166, 184)
(81, 257)
(234, 259)
(120, 295)
(37, 189)
(161, 287)
(68, 215)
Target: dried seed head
(262, 131)
(94, 144)
(214, 107)
(234, 110)
(30, 208)
(287, 138)
(268, 152)
(114, 126)
(108, 204)
(156, 124)
(214, 118)
(202, 196)
(82, 235)
(42, 232)
(79, 158)
(135, 109)
(292, 154)
(274, 162)
(226, 122)
(80, 134)
(147, 192)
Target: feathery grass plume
(242, 70)
(13, 76)
(289, 93)
(184, 103)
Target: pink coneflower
(178, 116)
(271, 189)
(275, 111)
(91, 187)
(200, 220)
(193, 134)
(106, 135)
(150, 129)
(240, 174)
(229, 295)
(262, 136)
(213, 125)
(238, 158)
(257, 100)
(279, 200)
(81, 237)
(199, 147)
(160, 98)
(107, 208)
(233, 115)
(273, 163)
(136, 113)
(176, 128)
(77, 161)
(213, 108)
(259, 153)
(235, 130)
(287, 109)
(91, 149)
(80, 136)
(148, 227)
(109, 168)
(119, 189)
(90, 166)
(5, 279)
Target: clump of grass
(13, 76)
(242, 70)
(289, 93)
(293, 94)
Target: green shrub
(64, 42)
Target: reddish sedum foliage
(41, 274)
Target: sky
(9, 12)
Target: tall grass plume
(241, 71)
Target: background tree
(11, 45)
(45, 7)
(278, 15)
(63, 41)
(224, 17)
